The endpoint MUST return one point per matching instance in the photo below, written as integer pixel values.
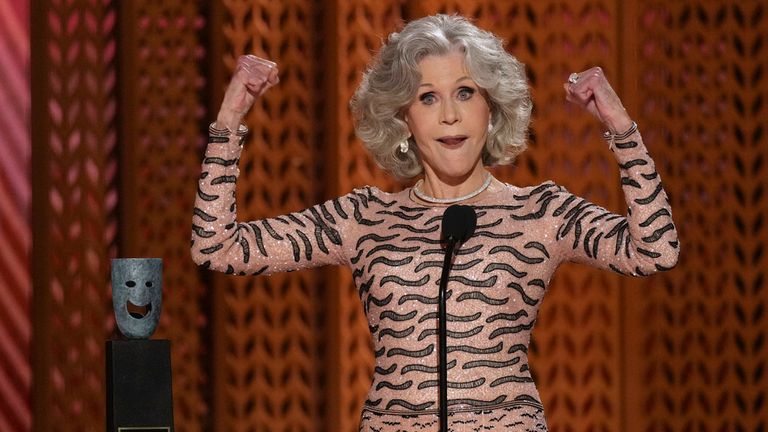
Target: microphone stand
(443, 336)
(459, 223)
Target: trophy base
(139, 396)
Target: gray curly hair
(389, 86)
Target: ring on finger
(573, 78)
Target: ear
(405, 118)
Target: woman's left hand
(593, 92)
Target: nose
(449, 113)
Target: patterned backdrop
(703, 327)
(122, 93)
(75, 214)
(270, 328)
(162, 96)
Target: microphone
(459, 223)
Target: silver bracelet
(226, 132)
(613, 137)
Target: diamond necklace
(434, 200)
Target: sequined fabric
(391, 243)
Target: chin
(456, 172)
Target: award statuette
(138, 369)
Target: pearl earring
(490, 127)
(404, 145)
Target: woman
(443, 101)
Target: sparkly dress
(391, 243)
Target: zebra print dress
(391, 243)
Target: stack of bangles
(613, 137)
(222, 135)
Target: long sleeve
(308, 238)
(644, 241)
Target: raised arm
(307, 238)
(645, 240)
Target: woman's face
(448, 118)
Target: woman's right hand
(252, 77)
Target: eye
(465, 93)
(427, 98)
(130, 284)
(148, 284)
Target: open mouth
(137, 311)
(453, 141)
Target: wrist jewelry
(613, 137)
(226, 132)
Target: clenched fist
(252, 77)
(591, 90)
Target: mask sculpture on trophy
(137, 295)
(139, 390)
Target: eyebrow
(458, 80)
